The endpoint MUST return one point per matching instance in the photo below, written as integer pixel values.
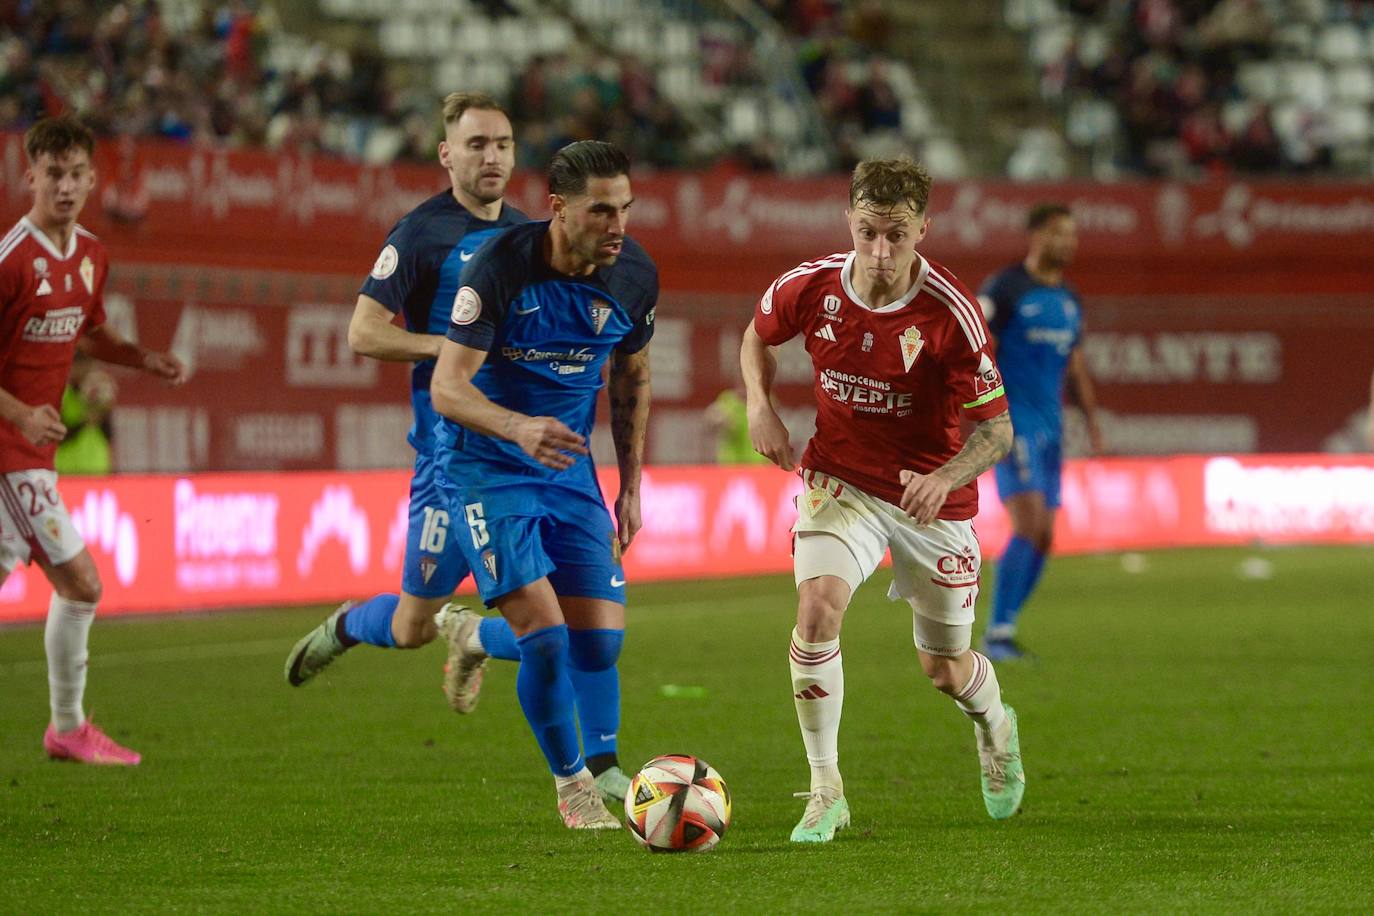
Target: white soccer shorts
(935, 567)
(34, 521)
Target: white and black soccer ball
(677, 803)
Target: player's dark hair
(1042, 213)
(58, 136)
(455, 103)
(887, 184)
(575, 163)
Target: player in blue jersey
(395, 320)
(1037, 321)
(541, 310)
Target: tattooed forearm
(986, 445)
(629, 392)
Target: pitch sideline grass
(1194, 742)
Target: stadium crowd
(129, 68)
(1195, 85)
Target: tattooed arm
(629, 393)
(925, 494)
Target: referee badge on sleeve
(467, 305)
(386, 263)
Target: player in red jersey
(52, 279)
(901, 356)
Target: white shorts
(34, 523)
(935, 567)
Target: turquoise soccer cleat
(826, 813)
(1004, 779)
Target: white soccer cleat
(463, 669)
(582, 807)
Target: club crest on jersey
(911, 343)
(87, 275)
(814, 500)
(868, 342)
(40, 266)
(489, 564)
(830, 307)
(601, 310)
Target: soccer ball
(677, 803)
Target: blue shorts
(434, 563)
(516, 529)
(1032, 466)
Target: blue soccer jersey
(406, 275)
(1036, 327)
(438, 232)
(548, 337)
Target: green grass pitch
(1194, 742)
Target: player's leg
(836, 547)
(937, 569)
(505, 550)
(1022, 484)
(590, 583)
(71, 736)
(596, 633)
(432, 568)
(547, 699)
(31, 510)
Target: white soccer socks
(64, 638)
(818, 691)
(981, 700)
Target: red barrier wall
(179, 543)
(1222, 316)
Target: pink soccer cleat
(88, 744)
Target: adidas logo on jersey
(826, 333)
(44, 287)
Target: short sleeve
(643, 309)
(398, 265)
(480, 300)
(972, 373)
(775, 315)
(97, 315)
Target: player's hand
(627, 520)
(924, 496)
(770, 438)
(42, 425)
(165, 366)
(548, 441)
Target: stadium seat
(1354, 83)
(1259, 80)
(1340, 43)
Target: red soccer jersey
(891, 383)
(48, 298)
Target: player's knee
(412, 634)
(819, 614)
(86, 589)
(942, 671)
(594, 650)
(1044, 540)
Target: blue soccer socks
(1017, 574)
(592, 656)
(497, 639)
(546, 696)
(370, 622)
